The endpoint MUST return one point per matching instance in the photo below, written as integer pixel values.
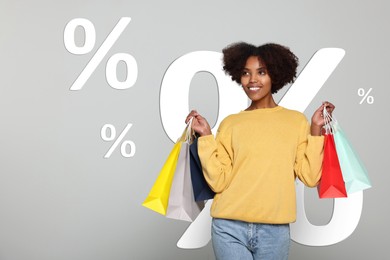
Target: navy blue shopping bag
(202, 190)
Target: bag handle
(331, 125)
(187, 133)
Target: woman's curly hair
(280, 62)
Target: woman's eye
(245, 73)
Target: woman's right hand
(199, 123)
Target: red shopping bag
(332, 183)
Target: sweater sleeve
(308, 162)
(215, 156)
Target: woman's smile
(254, 88)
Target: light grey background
(60, 200)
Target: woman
(256, 156)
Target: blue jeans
(238, 240)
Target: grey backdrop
(60, 200)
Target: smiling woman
(256, 156)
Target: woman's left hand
(317, 120)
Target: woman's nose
(253, 79)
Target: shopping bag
(157, 199)
(182, 204)
(331, 183)
(202, 190)
(354, 173)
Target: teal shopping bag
(354, 173)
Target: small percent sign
(111, 137)
(366, 97)
(89, 44)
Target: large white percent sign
(89, 43)
(174, 106)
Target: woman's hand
(199, 123)
(317, 120)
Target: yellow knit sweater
(254, 160)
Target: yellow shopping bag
(158, 197)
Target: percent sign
(112, 136)
(364, 94)
(89, 43)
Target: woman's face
(255, 80)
